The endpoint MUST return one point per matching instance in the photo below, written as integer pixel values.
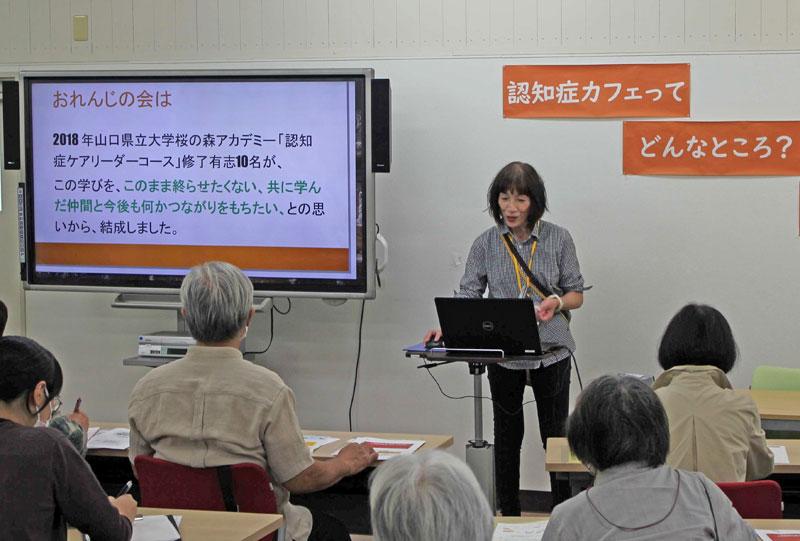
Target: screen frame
(362, 287)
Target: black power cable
(490, 399)
(358, 361)
(272, 310)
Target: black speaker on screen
(381, 126)
(11, 125)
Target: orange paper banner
(710, 148)
(604, 90)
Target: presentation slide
(153, 176)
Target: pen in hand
(77, 405)
(125, 489)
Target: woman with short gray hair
(431, 495)
(619, 431)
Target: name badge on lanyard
(524, 289)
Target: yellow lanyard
(518, 272)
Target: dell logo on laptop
(487, 326)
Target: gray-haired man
(213, 408)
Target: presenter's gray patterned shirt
(555, 266)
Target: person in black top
(44, 482)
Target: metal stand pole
(480, 453)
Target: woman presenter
(552, 279)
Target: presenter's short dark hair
(617, 420)
(522, 178)
(698, 334)
(24, 363)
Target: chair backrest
(776, 378)
(170, 485)
(755, 499)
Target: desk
(774, 523)
(558, 460)
(213, 525)
(557, 457)
(432, 441)
(511, 520)
(757, 523)
(779, 410)
(348, 496)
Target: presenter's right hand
(126, 506)
(358, 456)
(432, 334)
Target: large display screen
(132, 179)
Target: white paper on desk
(92, 431)
(314, 442)
(529, 531)
(110, 438)
(387, 449)
(780, 454)
(778, 535)
(155, 528)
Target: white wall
(647, 244)
(198, 30)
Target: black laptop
(507, 325)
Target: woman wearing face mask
(75, 426)
(517, 201)
(44, 482)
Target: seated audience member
(712, 428)
(214, 408)
(431, 495)
(75, 426)
(619, 431)
(44, 482)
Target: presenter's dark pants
(551, 391)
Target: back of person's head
(216, 298)
(3, 317)
(23, 364)
(425, 496)
(700, 335)
(618, 420)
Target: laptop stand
(479, 452)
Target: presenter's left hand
(547, 309)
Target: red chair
(755, 499)
(169, 485)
